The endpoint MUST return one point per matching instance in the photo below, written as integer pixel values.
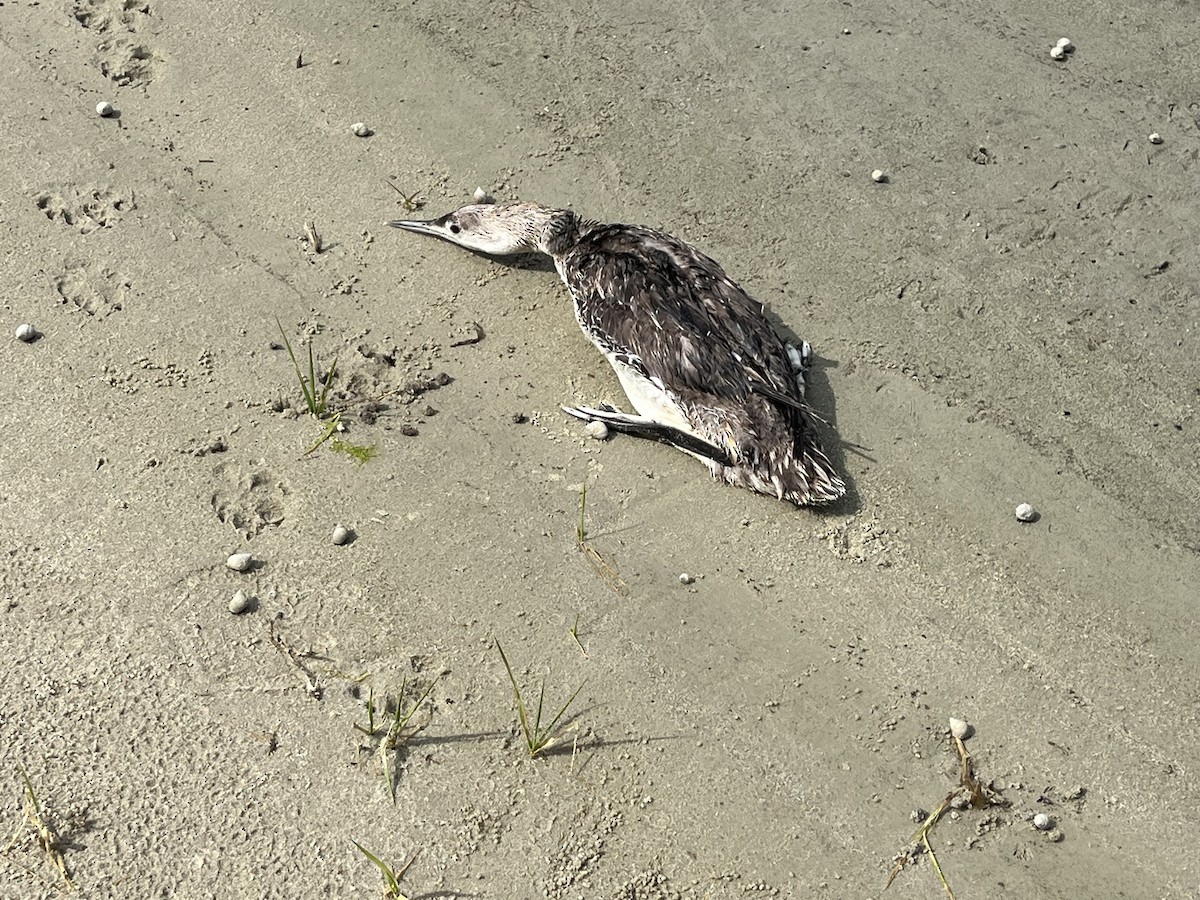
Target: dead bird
(695, 354)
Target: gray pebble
(240, 562)
(26, 332)
(361, 130)
(240, 603)
(342, 535)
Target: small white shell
(685, 578)
(26, 332)
(1025, 513)
(1156, 138)
(104, 109)
(879, 176)
(1058, 53)
(360, 129)
(960, 729)
(598, 430)
(240, 562)
(1042, 822)
(482, 196)
(240, 602)
(1067, 46)
(341, 535)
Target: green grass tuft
(316, 402)
(391, 878)
(537, 738)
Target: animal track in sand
(123, 57)
(126, 61)
(86, 209)
(111, 15)
(96, 290)
(248, 499)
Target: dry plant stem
(411, 201)
(921, 838)
(966, 764)
(310, 231)
(312, 684)
(608, 574)
(936, 866)
(581, 528)
(575, 634)
(466, 342)
(605, 570)
(978, 798)
(45, 834)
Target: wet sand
(1011, 317)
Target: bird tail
(801, 473)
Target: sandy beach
(1009, 316)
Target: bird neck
(557, 231)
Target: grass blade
(389, 877)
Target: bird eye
(455, 228)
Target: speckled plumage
(695, 354)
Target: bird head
(497, 230)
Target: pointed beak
(435, 227)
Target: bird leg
(641, 426)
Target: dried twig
(312, 683)
(479, 335)
(314, 239)
(46, 837)
(979, 797)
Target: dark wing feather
(646, 294)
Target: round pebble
(482, 196)
(361, 130)
(104, 109)
(1156, 138)
(342, 535)
(240, 562)
(1026, 513)
(960, 729)
(1066, 45)
(598, 430)
(26, 333)
(879, 176)
(1042, 822)
(1058, 53)
(685, 578)
(240, 603)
